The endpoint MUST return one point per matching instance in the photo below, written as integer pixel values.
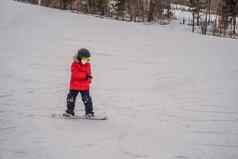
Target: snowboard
(79, 117)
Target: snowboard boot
(67, 114)
(89, 115)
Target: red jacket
(80, 74)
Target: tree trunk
(234, 24)
(209, 12)
(205, 29)
(193, 21)
(151, 11)
(198, 16)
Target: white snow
(169, 94)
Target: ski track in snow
(168, 93)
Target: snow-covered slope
(168, 94)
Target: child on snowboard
(79, 83)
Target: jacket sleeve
(76, 74)
(90, 73)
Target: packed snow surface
(168, 93)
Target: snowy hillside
(169, 94)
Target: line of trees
(131, 10)
(218, 17)
(228, 11)
(221, 15)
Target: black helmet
(83, 53)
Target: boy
(79, 83)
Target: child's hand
(89, 77)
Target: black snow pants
(86, 98)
